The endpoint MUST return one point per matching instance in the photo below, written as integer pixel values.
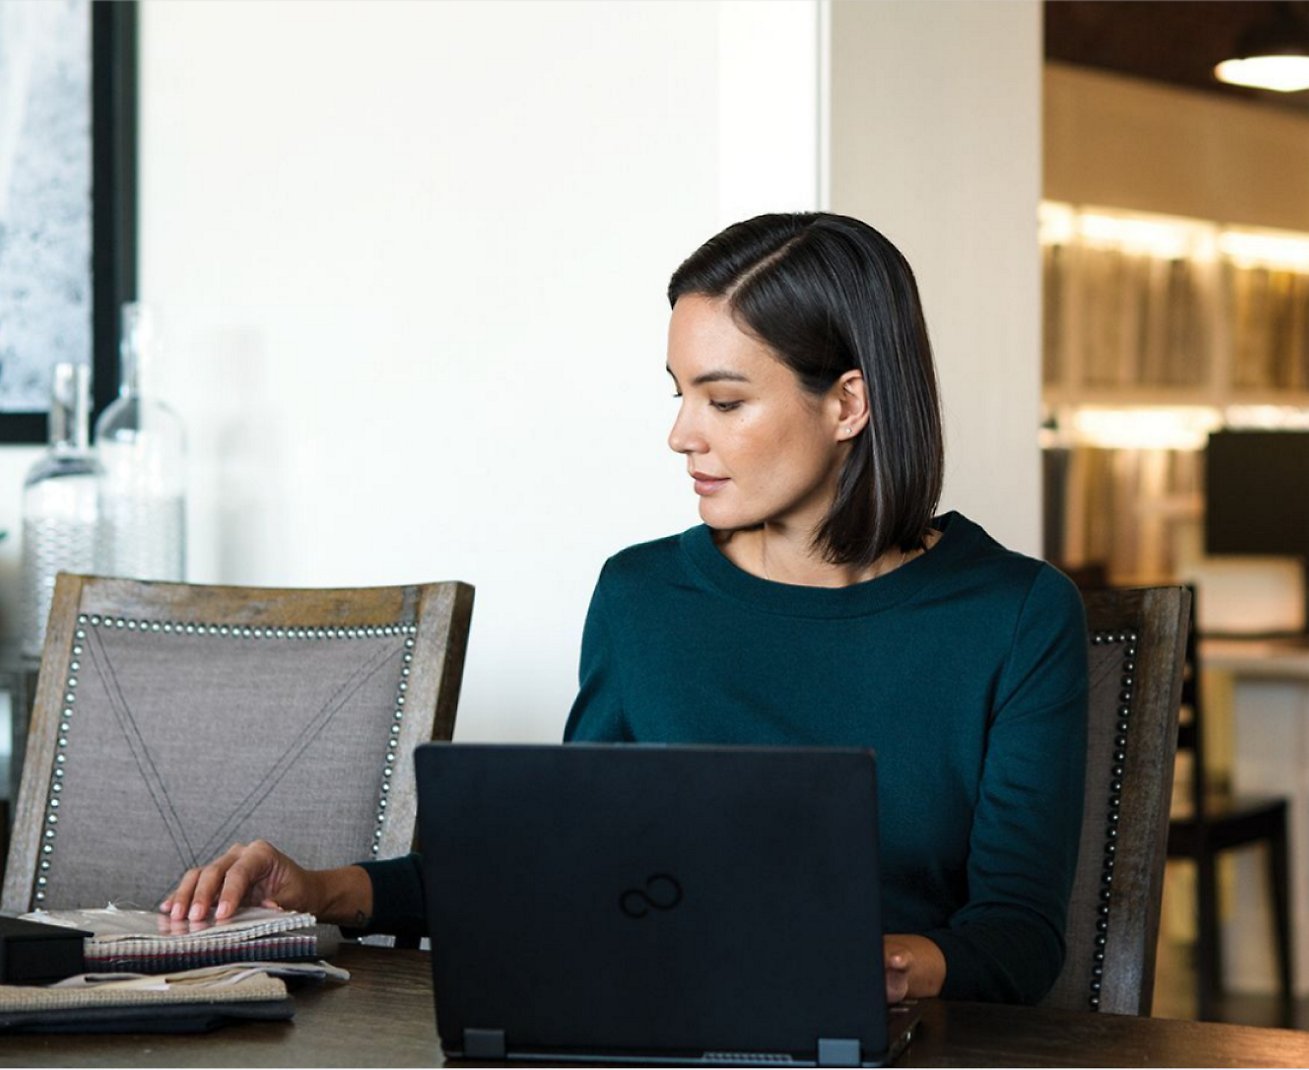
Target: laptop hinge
(484, 1044)
(837, 1052)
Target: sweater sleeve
(1006, 944)
(399, 898)
(597, 713)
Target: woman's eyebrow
(718, 375)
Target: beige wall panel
(1125, 143)
(935, 140)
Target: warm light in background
(1169, 237)
(1283, 74)
(1180, 427)
(1164, 238)
(1267, 417)
(1056, 223)
(1172, 237)
(1163, 427)
(1268, 249)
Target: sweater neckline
(858, 599)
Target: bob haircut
(829, 294)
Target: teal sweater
(965, 670)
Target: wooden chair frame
(440, 612)
(1113, 915)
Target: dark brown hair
(829, 294)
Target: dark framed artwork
(67, 198)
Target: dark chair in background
(1089, 576)
(1214, 822)
(1136, 657)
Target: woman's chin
(713, 514)
(716, 516)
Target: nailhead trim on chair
(1128, 640)
(233, 631)
(394, 738)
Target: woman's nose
(684, 437)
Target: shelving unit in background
(1158, 329)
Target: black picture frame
(113, 203)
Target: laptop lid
(653, 903)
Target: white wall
(411, 259)
(936, 141)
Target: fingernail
(165, 906)
(223, 910)
(197, 912)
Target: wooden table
(383, 1017)
(979, 1034)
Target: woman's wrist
(343, 896)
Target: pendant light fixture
(1272, 53)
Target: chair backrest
(1138, 646)
(171, 720)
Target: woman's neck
(786, 556)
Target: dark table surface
(384, 1017)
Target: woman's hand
(915, 967)
(258, 874)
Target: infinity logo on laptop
(662, 892)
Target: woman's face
(759, 447)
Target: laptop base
(482, 1045)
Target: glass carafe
(60, 503)
(142, 450)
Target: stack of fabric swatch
(144, 941)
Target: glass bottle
(60, 502)
(142, 449)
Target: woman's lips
(707, 484)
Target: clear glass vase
(60, 503)
(141, 445)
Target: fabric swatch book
(184, 1001)
(145, 941)
(145, 1005)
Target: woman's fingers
(226, 880)
(179, 900)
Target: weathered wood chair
(171, 720)
(1137, 653)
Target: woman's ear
(850, 397)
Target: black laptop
(655, 904)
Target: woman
(820, 603)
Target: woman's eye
(725, 406)
(677, 394)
